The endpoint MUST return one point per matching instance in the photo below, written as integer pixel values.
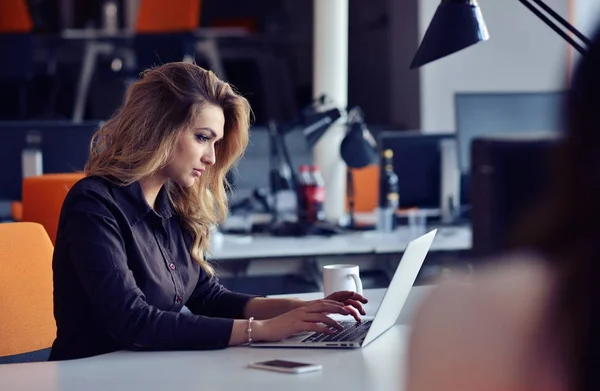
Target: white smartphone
(286, 366)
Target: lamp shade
(356, 150)
(457, 24)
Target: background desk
(378, 366)
(241, 258)
(232, 247)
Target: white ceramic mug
(341, 278)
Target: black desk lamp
(458, 24)
(357, 150)
(313, 121)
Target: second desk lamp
(357, 150)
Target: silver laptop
(359, 334)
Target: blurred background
(248, 36)
(468, 134)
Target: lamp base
(349, 223)
(360, 227)
(293, 228)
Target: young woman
(532, 321)
(131, 239)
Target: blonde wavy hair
(139, 140)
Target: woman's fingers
(321, 306)
(319, 328)
(349, 305)
(334, 302)
(322, 318)
(357, 305)
(345, 295)
(354, 313)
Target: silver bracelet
(249, 330)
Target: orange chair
(14, 17)
(16, 210)
(160, 16)
(43, 197)
(164, 32)
(27, 326)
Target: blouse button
(179, 299)
(172, 266)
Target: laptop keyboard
(351, 332)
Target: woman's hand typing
(309, 317)
(352, 300)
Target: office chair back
(43, 197)
(27, 326)
(159, 16)
(164, 31)
(15, 17)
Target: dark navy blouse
(123, 272)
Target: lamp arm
(563, 21)
(285, 154)
(553, 25)
(291, 125)
(300, 118)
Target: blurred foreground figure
(531, 320)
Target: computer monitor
(64, 146)
(491, 113)
(417, 162)
(510, 176)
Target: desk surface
(370, 242)
(378, 366)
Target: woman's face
(195, 149)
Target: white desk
(257, 247)
(378, 366)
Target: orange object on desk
(366, 188)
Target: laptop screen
(400, 286)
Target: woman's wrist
(245, 331)
(259, 330)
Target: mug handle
(358, 283)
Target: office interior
(491, 109)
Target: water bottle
(31, 156)
(389, 199)
(110, 16)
